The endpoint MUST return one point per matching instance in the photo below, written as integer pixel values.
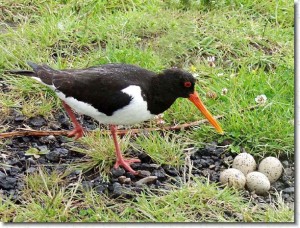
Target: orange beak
(199, 104)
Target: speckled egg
(271, 167)
(233, 177)
(244, 162)
(257, 182)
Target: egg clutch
(243, 173)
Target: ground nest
(204, 163)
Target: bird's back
(99, 91)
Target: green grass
(198, 202)
(252, 43)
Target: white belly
(135, 112)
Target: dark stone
(160, 173)
(136, 165)
(87, 185)
(101, 188)
(26, 139)
(117, 189)
(62, 152)
(113, 180)
(37, 121)
(144, 173)
(145, 166)
(195, 157)
(204, 163)
(117, 172)
(170, 170)
(130, 175)
(218, 151)
(197, 163)
(30, 170)
(53, 156)
(289, 190)
(14, 171)
(8, 182)
(42, 160)
(288, 172)
(2, 174)
(30, 162)
(145, 158)
(19, 118)
(42, 148)
(211, 147)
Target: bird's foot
(77, 133)
(125, 163)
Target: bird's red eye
(187, 84)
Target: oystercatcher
(117, 94)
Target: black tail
(29, 73)
(21, 72)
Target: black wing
(98, 86)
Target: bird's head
(183, 85)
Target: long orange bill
(199, 104)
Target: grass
(252, 45)
(201, 202)
(170, 146)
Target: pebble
(159, 173)
(288, 172)
(37, 121)
(62, 152)
(25, 139)
(119, 190)
(144, 158)
(30, 170)
(285, 163)
(19, 118)
(101, 188)
(121, 179)
(170, 170)
(87, 185)
(124, 180)
(53, 156)
(48, 139)
(146, 180)
(117, 172)
(289, 190)
(144, 173)
(8, 182)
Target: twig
(174, 128)
(31, 132)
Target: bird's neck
(161, 97)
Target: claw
(77, 132)
(125, 163)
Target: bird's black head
(180, 83)
(174, 83)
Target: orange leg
(78, 130)
(120, 160)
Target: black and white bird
(118, 94)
